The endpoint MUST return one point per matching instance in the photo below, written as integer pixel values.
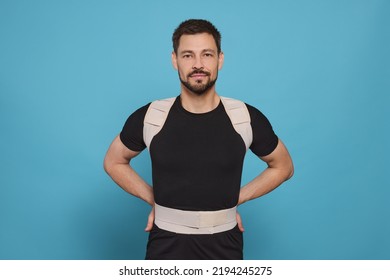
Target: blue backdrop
(72, 71)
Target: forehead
(197, 42)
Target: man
(197, 142)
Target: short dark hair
(196, 26)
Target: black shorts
(166, 245)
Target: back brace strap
(195, 222)
(158, 111)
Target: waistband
(195, 222)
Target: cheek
(215, 70)
(183, 71)
(213, 66)
(182, 74)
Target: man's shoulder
(234, 103)
(254, 112)
(237, 101)
(240, 117)
(162, 104)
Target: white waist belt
(195, 222)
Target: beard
(198, 87)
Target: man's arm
(117, 165)
(280, 168)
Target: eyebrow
(203, 51)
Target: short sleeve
(264, 138)
(132, 132)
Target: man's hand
(239, 222)
(149, 225)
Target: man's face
(197, 62)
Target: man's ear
(174, 60)
(221, 59)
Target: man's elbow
(289, 170)
(107, 166)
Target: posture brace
(196, 222)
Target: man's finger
(239, 223)
(149, 224)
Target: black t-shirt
(197, 162)
(197, 159)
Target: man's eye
(208, 54)
(187, 56)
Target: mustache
(199, 72)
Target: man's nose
(197, 63)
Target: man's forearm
(266, 182)
(126, 177)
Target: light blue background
(72, 71)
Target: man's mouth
(198, 74)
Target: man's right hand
(149, 225)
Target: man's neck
(199, 103)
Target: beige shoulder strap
(240, 118)
(158, 111)
(155, 118)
